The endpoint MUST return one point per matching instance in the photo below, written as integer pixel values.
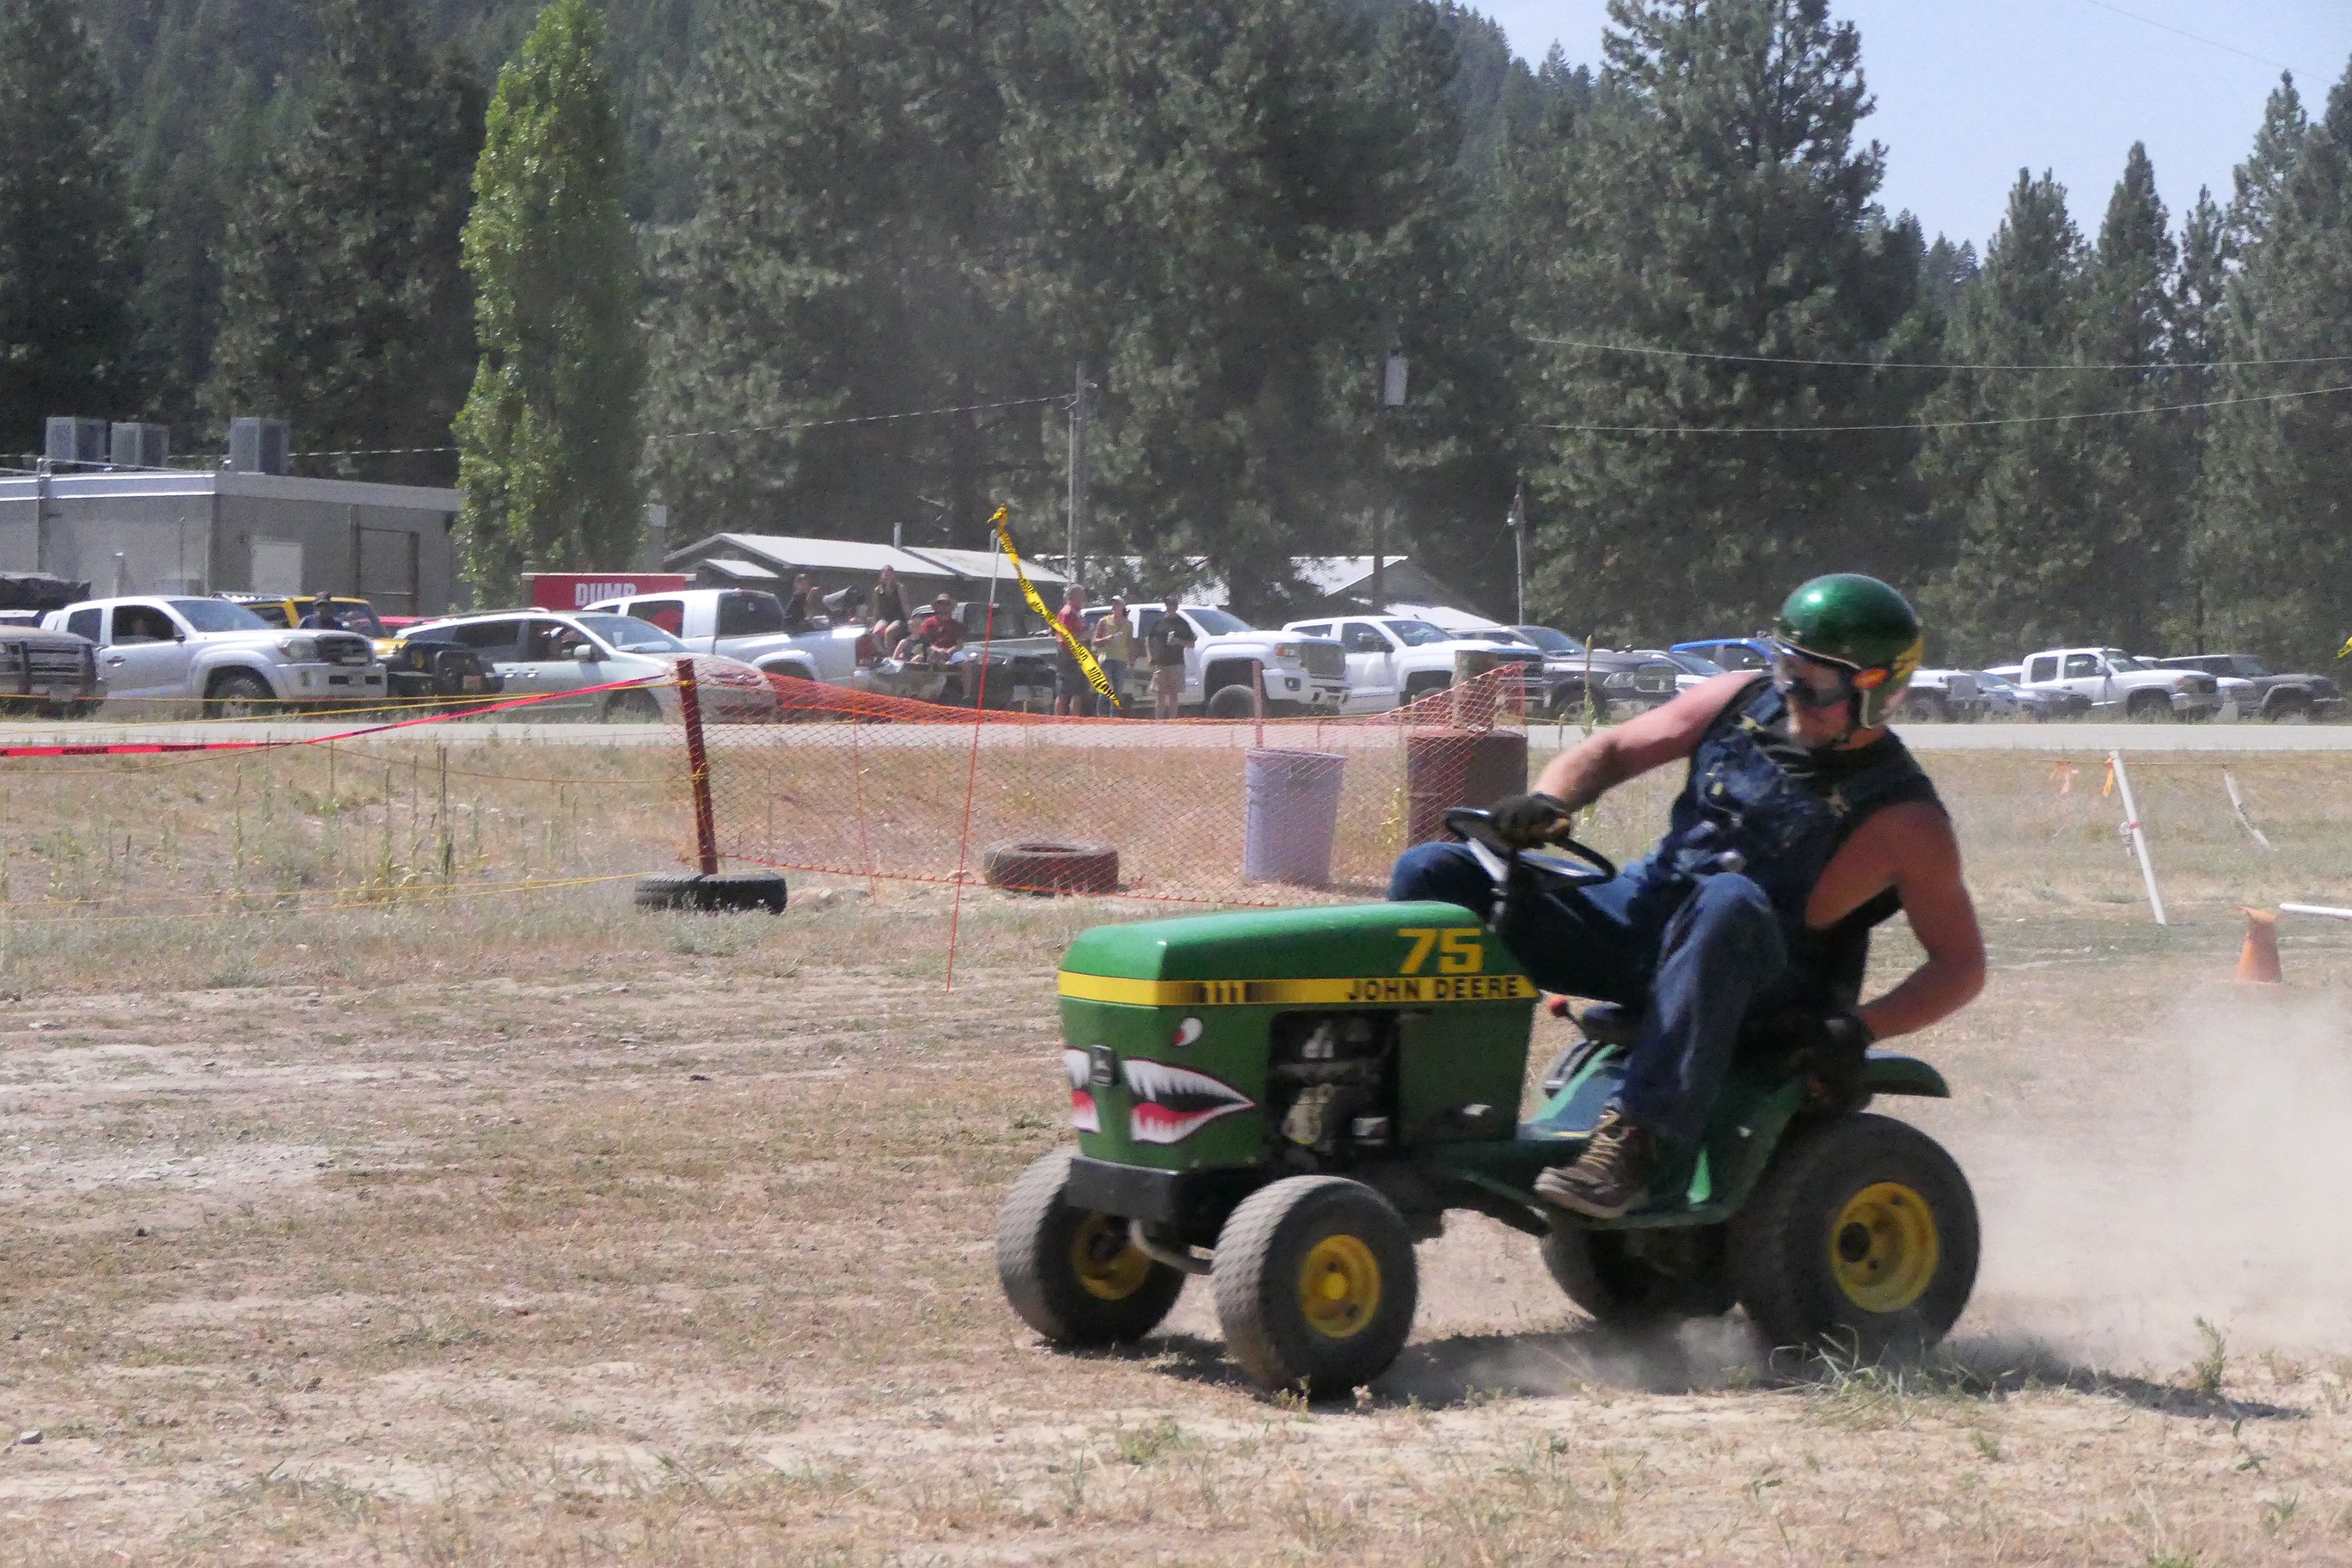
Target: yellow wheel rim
(1340, 1287)
(1883, 1248)
(1110, 1267)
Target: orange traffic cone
(2258, 961)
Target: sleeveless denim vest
(1740, 809)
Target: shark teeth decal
(1083, 1115)
(1172, 1103)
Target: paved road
(2030, 738)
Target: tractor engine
(1331, 1087)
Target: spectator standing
(1113, 643)
(322, 616)
(1072, 696)
(1164, 646)
(890, 608)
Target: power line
(1933, 425)
(1909, 364)
(2192, 38)
(729, 430)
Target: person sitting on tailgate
(937, 635)
(1802, 823)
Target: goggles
(1803, 680)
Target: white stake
(2237, 804)
(2138, 839)
(2330, 910)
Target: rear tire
(1860, 1240)
(1620, 1288)
(1072, 1274)
(1315, 1284)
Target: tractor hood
(1331, 955)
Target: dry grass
(526, 1230)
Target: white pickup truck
(1302, 674)
(749, 624)
(1394, 659)
(2120, 686)
(162, 652)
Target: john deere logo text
(1440, 988)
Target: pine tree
(548, 439)
(2138, 465)
(67, 256)
(2256, 183)
(2007, 474)
(344, 305)
(2277, 499)
(1724, 210)
(855, 251)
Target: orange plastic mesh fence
(1208, 811)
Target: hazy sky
(1969, 92)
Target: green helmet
(1863, 626)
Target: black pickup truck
(2275, 696)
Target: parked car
(1730, 653)
(1302, 673)
(2119, 686)
(415, 669)
(1394, 659)
(54, 675)
(1624, 683)
(1957, 695)
(2004, 699)
(2274, 696)
(167, 649)
(746, 624)
(540, 651)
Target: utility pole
(1519, 526)
(1393, 371)
(1078, 411)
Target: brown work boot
(1611, 1177)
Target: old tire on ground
(1043, 865)
(1315, 1284)
(1641, 1278)
(632, 708)
(240, 694)
(722, 892)
(1232, 702)
(1072, 1274)
(1860, 1241)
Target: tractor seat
(1610, 1023)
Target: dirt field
(471, 1232)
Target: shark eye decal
(1172, 1103)
(1187, 1031)
(1083, 1115)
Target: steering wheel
(1564, 859)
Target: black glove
(1525, 820)
(1829, 1050)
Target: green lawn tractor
(1287, 1102)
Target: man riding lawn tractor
(1287, 1101)
(1802, 824)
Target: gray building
(208, 530)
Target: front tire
(240, 694)
(1232, 702)
(1861, 1240)
(1072, 1274)
(2149, 708)
(1315, 1284)
(632, 708)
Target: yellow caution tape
(1085, 656)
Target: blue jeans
(1690, 957)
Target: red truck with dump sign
(568, 591)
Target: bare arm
(1589, 770)
(1935, 902)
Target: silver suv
(166, 651)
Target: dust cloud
(2202, 1168)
